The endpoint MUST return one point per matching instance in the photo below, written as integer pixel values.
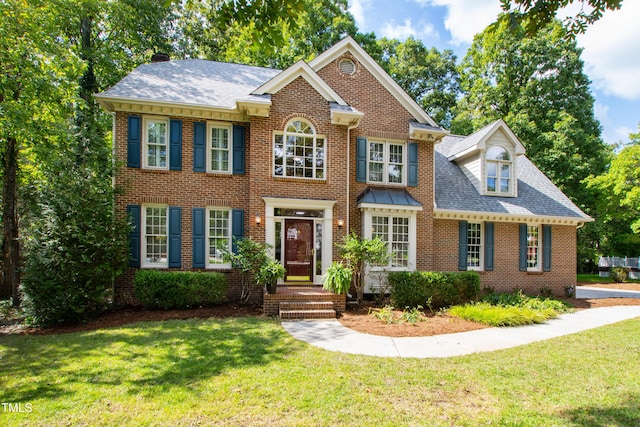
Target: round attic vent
(347, 66)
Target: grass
(595, 278)
(248, 371)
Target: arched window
(499, 170)
(299, 152)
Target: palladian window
(499, 169)
(299, 152)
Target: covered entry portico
(301, 234)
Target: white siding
(472, 169)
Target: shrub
(516, 309)
(619, 274)
(338, 278)
(411, 289)
(74, 246)
(166, 290)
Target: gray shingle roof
(192, 82)
(537, 195)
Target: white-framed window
(395, 231)
(219, 146)
(156, 142)
(218, 236)
(386, 162)
(474, 246)
(534, 240)
(154, 236)
(499, 170)
(299, 152)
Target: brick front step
(308, 314)
(306, 305)
(298, 298)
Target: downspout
(113, 184)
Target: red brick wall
(385, 118)
(506, 275)
(184, 188)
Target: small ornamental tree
(249, 257)
(359, 253)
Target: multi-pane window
(533, 247)
(299, 152)
(155, 236)
(395, 232)
(474, 245)
(156, 141)
(219, 148)
(386, 162)
(499, 168)
(219, 235)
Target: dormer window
(499, 168)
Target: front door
(298, 247)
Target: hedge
(410, 289)
(166, 290)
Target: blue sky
(611, 46)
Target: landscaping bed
(356, 318)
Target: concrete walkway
(588, 292)
(332, 335)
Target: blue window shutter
(133, 141)
(361, 159)
(488, 246)
(412, 180)
(523, 247)
(175, 237)
(237, 227)
(199, 147)
(546, 247)
(238, 150)
(462, 245)
(199, 238)
(133, 215)
(175, 145)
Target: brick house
(296, 158)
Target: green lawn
(249, 371)
(595, 278)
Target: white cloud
(403, 31)
(358, 8)
(466, 18)
(612, 53)
(611, 133)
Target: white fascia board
(507, 217)
(348, 44)
(133, 105)
(379, 207)
(300, 69)
(429, 135)
(346, 118)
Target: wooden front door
(298, 247)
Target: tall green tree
(618, 201)
(537, 84)
(429, 76)
(34, 96)
(537, 14)
(315, 28)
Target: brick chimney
(160, 57)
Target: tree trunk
(10, 243)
